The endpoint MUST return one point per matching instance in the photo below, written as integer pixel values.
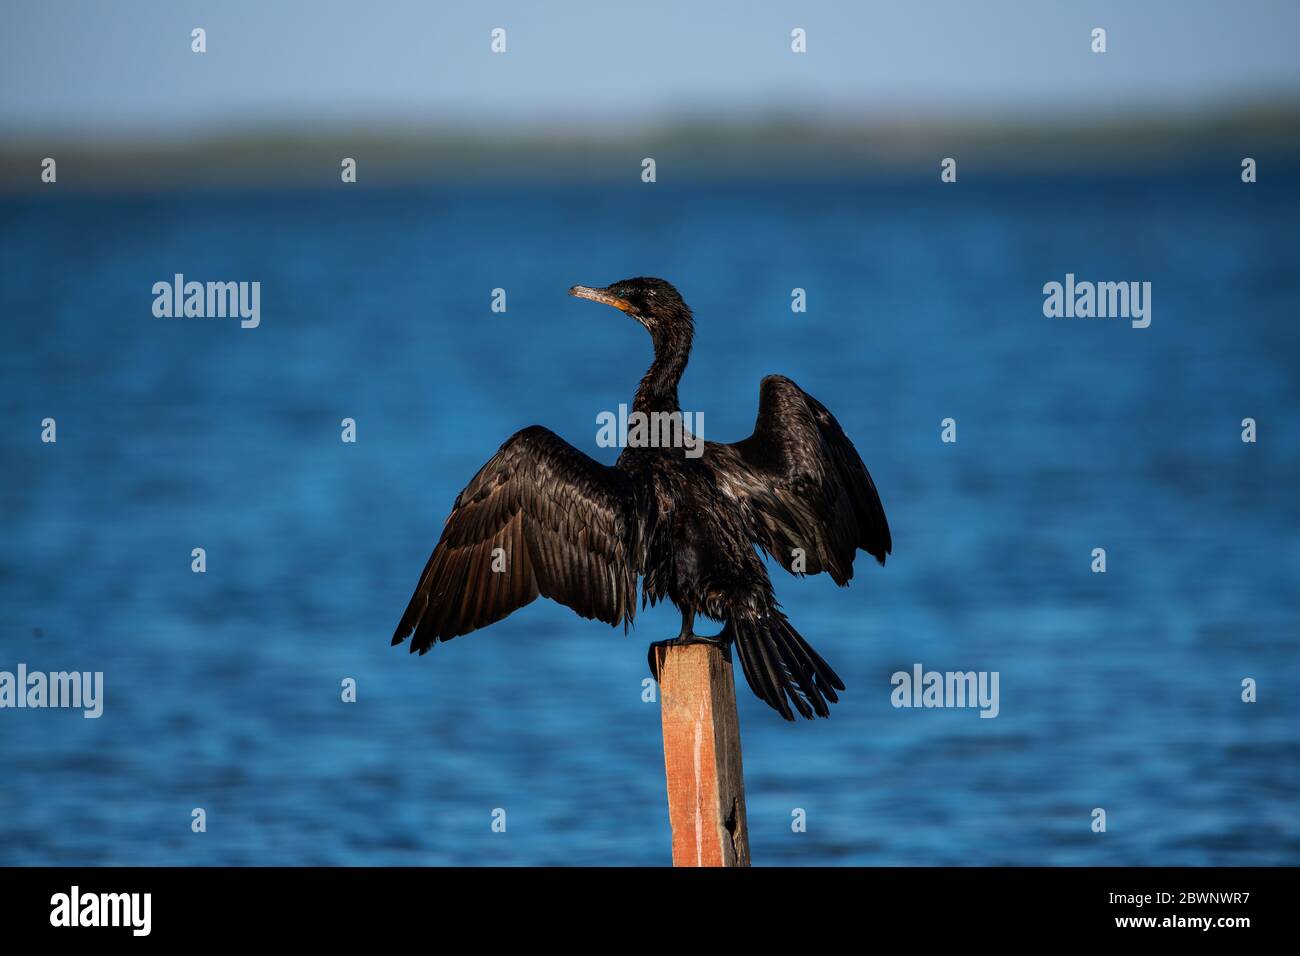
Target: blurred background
(522, 171)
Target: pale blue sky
(127, 64)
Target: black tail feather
(761, 671)
(782, 668)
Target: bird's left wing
(565, 526)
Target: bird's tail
(781, 667)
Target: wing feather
(805, 484)
(567, 525)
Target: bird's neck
(658, 389)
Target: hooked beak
(600, 295)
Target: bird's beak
(600, 295)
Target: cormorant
(582, 533)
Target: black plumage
(543, 518)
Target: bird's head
(652, 302)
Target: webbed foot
(681, 640)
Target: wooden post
(706, 782)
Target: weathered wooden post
(706, 782)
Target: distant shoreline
(748, 148)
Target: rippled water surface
(924, 302)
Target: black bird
(581, 533)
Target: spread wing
(804, 483)
(566, 526)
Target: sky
(126, 66)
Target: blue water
(1118, 690)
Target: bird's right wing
(567, 529)
(805, 484)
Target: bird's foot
(681, 640)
